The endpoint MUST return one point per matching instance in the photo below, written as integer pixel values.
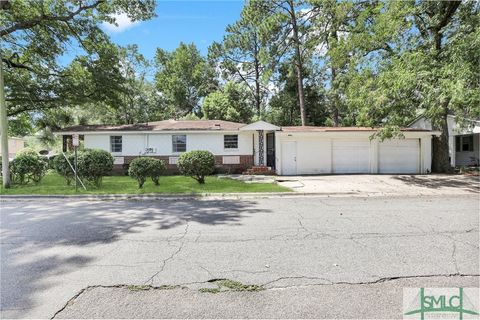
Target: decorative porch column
(261, 152)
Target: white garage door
(399, 156)
(351, 156)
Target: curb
(173, 196)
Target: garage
(317, 150)
(351, 156)
(399, 156)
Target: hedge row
(93, 165)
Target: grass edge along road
(54, 184)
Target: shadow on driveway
(466, 183)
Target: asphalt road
(315, 257)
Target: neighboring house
(14, 146)
(464, 144)
(288, 150)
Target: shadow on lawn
(30, 230)
(467, 183)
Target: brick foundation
(246, 161)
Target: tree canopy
(309, 62)
(184, 77)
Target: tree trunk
(335, 116)
(4, 132)
(334, 88)
(441, 154)
(258, 100)
(298, 64)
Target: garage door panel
(313, 157)
(399, 156)
(351, 156)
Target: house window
(230, 141)
(179, 143)
(464, 143)
(116, 143)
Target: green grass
(231, 285)
(53, 184)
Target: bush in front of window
(28, 166)
(142, 168)
(196, 164)
(94, 164)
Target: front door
(289, 158)
(271, 150)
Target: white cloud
(123, 23)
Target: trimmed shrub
(143, 167)
(94, 164)
(196, 164)
(28, 166)
(139, 169)
(62, 167)
(157, 169)
(27, 151)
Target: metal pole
(73, 169)
(4, 131)
(76, 176)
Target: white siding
(134, 144)
(97, 141)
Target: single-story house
(15, 144)
(287, 150)
(464, 143)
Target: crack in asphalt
(454, 257)
(72, 300)
(376, 281)
(172, 256)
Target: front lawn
(52, 183)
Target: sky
(197, 21)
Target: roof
(260, 125)
(422, 115)
(340, 129)
(165, 125)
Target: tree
(35, 33)
(417, 57)
(183, 77)
(333, 26)
(137, 99)
(239, 56)
(283, 108)
(20, 126)
(231, 103)
(284, 25)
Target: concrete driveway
(314, 257)
(383, 185)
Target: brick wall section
(246, 162)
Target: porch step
(260, 170)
